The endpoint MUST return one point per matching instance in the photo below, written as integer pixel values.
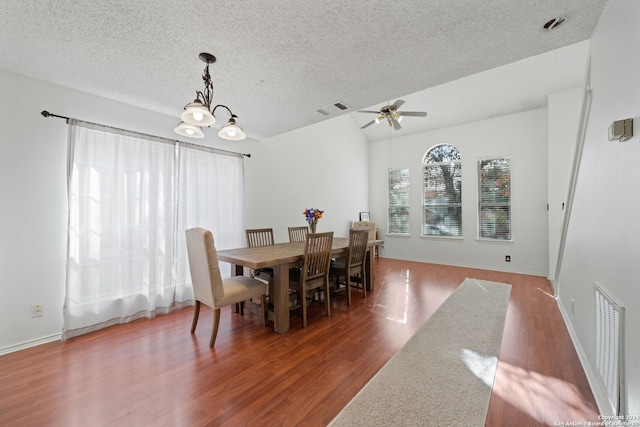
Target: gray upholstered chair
(352, 267)
(298, 234)
(314, 274)
(208, 286)
(369, 226)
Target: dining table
(281, 257)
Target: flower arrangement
(312, 216)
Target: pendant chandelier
(199, 113)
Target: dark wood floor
(154, 372)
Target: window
(398, 219)
(494, 208)
(442, 192)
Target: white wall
(603, 242)
(521, 136)
(322, 166)
(564, 120)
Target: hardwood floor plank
(154, 372)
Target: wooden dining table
(281, 257)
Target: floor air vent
(610, 346)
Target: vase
(312, 227)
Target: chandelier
(199, 113)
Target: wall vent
(610, 346)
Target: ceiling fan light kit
(391, 114)
(199, 113)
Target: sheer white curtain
(210, 195)
(129, 205)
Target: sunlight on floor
(402, 300)
(537, 395)
(546, 293)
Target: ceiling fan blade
(397, 104)
(368, 111)
(396, 124)
(413, 113)
(368, 124)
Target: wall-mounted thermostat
(621, 130)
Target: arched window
(442, 214)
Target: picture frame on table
(364, 216)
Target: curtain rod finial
(45, 113)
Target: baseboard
(598, 388)
(478, 267)
(30, 343)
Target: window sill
(499, 241)
(429, 236)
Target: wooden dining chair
(262, 237)
(208, 286)
(298, 234)
(314, 274)
(352, 267)
(259, 237)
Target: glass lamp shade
(232, 131)
(190, 131)
(197, 114)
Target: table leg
(281, 298)
(369, 269)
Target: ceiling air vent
(334, 108)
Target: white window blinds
(494, 210)
(442, 214)
(398, 215)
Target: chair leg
(348, 289)
(264, 310)
(196, 313)
(216, 323)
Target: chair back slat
(317, 255)
(357, 247)
(298, 234)
(259, 237)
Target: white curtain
(210, 195)
(129, 204)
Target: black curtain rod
(45, 113)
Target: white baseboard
(598, 388)
(30, 343)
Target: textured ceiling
(280, 61)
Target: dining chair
(298, 234)
(261, 237)
(369, 226)
(314, 274)
(210, 288)
(352, 267)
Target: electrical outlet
(37, 310)
(507, 258)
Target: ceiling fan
(392, 115)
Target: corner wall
(602, 243)
(523, 137)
